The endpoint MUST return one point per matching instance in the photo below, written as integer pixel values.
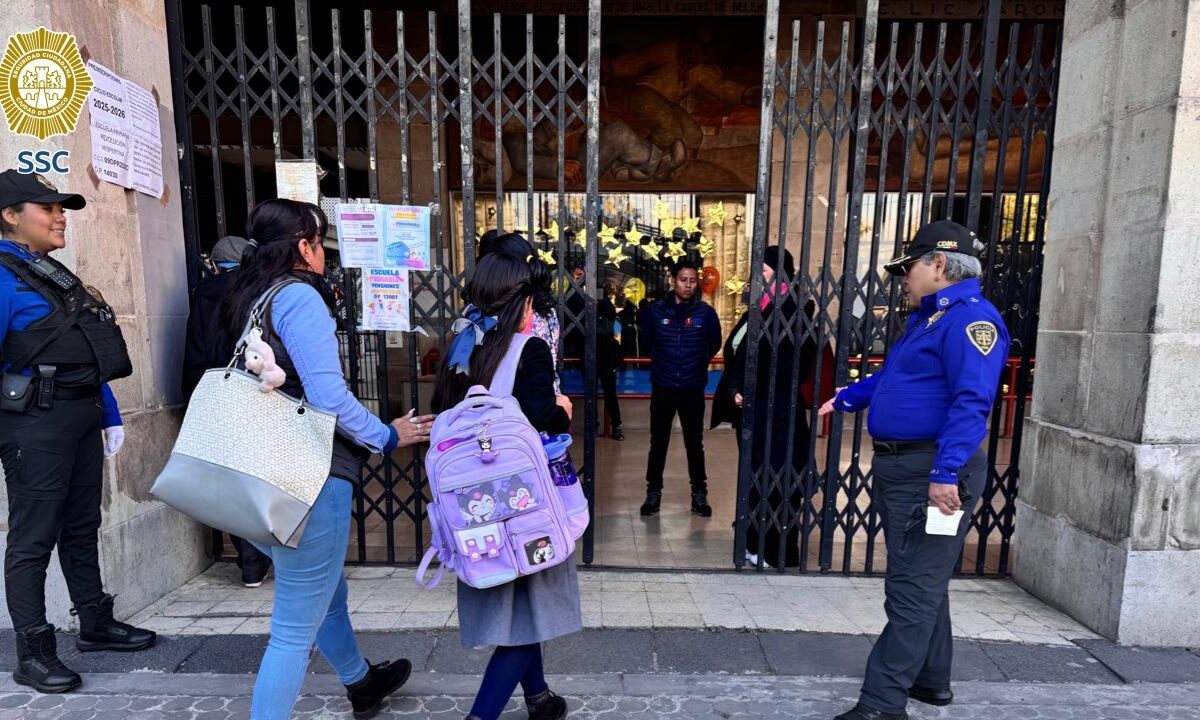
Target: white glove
(114, 438)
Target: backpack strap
(506, 374)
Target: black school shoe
(381, 680)
(932, 696)
(652, 504)
(546, 706)
(700, 504)
(863, 712)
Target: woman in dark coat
(762, 537)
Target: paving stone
(601, 651)
(815, 654)
(1158, 665)
(1043, 664)
(701, 651)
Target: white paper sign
(385, 299)
(297, 180)
(406, 237)
(360, 235)
(110, 125)
(938, 524)
(126, 140)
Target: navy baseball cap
(943, 236)
(17, 188)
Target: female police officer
(59, 345)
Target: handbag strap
(257, 311)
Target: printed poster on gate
(373, 235)
(385, 299)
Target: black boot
(931, 696)
(381, 680)
(865, 712)
(38, 665)
(99, 631)
(546, 706)
(652, 504)
(700, 504)
(616, 434)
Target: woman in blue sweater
(310, 586)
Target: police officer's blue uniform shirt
(940, 379)
(21, 305)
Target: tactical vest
(90, 352)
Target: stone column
(130, 247)
(1109, 513)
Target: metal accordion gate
(392, 107)
(873, 129)
(868, 129)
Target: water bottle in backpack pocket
(566, 480)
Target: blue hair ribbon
(470, 329)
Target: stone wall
(130, 246)
(1109, 512)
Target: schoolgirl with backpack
(505, 519)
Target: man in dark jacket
(203, 351)
(681, 334)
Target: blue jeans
(310, 604)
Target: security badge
(982, 335)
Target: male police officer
(929, 410)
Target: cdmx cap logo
(43, 83)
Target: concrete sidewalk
(384, 598)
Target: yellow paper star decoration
(581, 238)
(634, 236)
(607, 233)
(716, 214)
(662, 211)
(652, 250)
(616, 256)
(552, 231)
(675, 250)
(691, 225)
(734, 286)
(706, 247)
(547, 257)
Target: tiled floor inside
(384, 598)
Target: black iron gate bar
(529, 74)
(886, 100)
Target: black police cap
(16, 188)
(940, 236)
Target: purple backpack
(496, 512)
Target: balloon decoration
(635, 290)
(710, 279)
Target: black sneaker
(617, 435)
(99, 631)
(38, 665)
(253, 574)
(652, 504)
(700, 504)
(381, 680)
(546, 706)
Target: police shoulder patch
(982, 335)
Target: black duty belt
(884, 447)
(86, 392)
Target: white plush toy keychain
(260, 360)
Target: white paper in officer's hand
(938, 524)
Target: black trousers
(915, 647)
(689, 404)
(608, 383)
(53, 466)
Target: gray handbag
(247, 462)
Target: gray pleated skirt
(531, 609)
